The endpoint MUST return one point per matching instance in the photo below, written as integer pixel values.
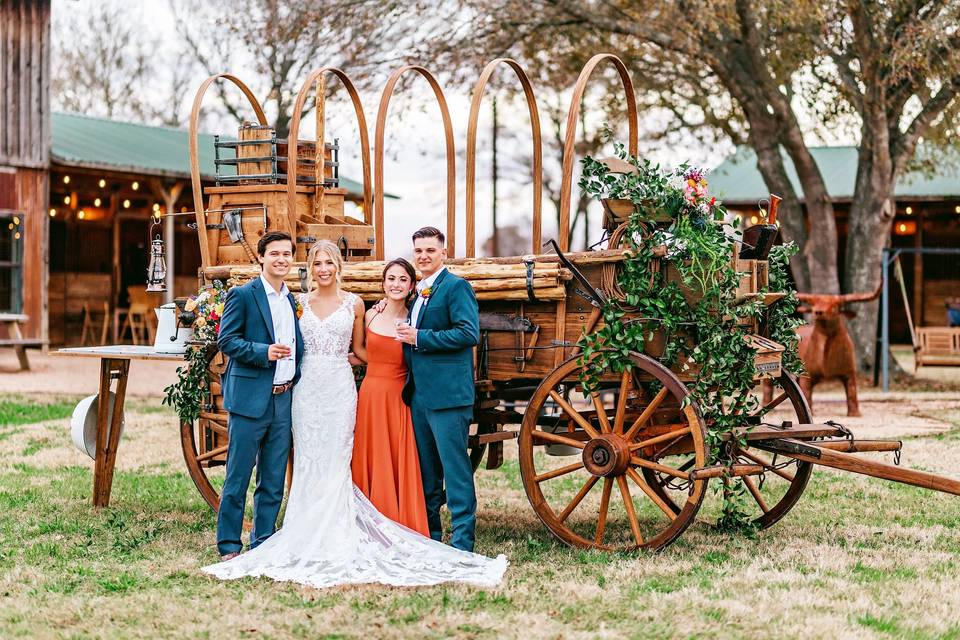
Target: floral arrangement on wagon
(678, 300)
(202, 312)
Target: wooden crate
(355, 235)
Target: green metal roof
(98, 143)
(737, 180)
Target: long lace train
(331, 533)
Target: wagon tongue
(590, 294)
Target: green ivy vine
(703, 332)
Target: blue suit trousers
(264, 442)
(441, 436)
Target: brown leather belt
(282, 388)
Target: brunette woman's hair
(405, 264)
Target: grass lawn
(858, 557)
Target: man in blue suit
(260, 333)
(443, 328)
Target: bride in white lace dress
(331, 533)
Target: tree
(105, 66)
(277, 43)
(754, 71)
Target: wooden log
(486, 284)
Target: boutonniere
(426, 293)
(298, 308)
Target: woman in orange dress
(385, 464)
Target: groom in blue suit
(260, 333)
(443, 328)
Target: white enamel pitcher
(171, 336)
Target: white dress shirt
(419, 303)
(284, 330)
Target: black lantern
(157, 271)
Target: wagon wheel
(613, 433)
(778, 490)
(199, 461)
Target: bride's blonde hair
(333, 251)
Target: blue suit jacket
(441, 365)
(246, 331)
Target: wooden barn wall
(25, 83)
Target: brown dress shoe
(229, 556)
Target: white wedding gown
(331, 533)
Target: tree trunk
(871, 214)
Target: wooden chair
(937, 346)
(140, 318)
(89, 321)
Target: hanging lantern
(157, 271)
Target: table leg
(108, 435)
(13, 329)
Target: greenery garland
(708, 333)
(191, 391)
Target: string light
(16, 236)
(81, 214)
(156, 208)
(16, 220)
(126, 204)
(10, 226)
(135, 185)
(957, 208)
(102, 183)
(96, 202)
(66, 199)
(754, 219)
(909, 211)
(53, 213)
(183, 209)
(66, 179)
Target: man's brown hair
(274, 236)
(429, 232)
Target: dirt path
(79, 376)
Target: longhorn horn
(861, 297)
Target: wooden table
(15, 337)
(114, 365)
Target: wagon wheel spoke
(657, 500)
(656, 466)
(577, 499)
(601, 412)
(604, 508)
(546, 436)
(631, 512)
(670, 435)
(755, 492)
(556, 473)
(775, 402)
(573, 413)
(622, 402)
(645, 416)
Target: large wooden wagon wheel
(616, 433)
(774, 493)
(204, 442)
